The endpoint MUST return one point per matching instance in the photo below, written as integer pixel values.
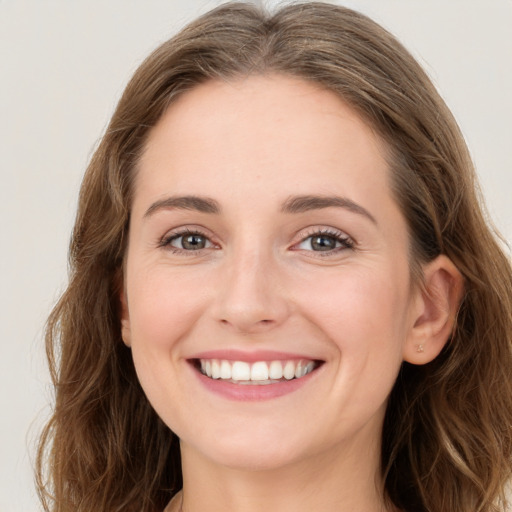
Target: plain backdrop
(63, 65)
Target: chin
(251, 451)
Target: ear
(436, 306)
(125, 318)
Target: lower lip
(253, 392)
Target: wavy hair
(447, 439)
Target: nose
(251, 297)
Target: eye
(189, 241)
(325, 242)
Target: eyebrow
(294, 204)
(197, 203)
(301, 204)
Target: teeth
(289, 370)
(241, 371)
(275, 370)
(215, 369)
(225, 370)
(261, 372)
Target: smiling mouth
(257, 373)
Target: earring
(420, 348)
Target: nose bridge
(250, 296)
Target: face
(267, 296)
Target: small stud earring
(420, 348)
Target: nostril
(264, 321)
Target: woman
(283, 291)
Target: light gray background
(63, 65)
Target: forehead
(276, 130)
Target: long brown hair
(447, 437)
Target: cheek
(360, 314)
(364, 315)
(163, 309)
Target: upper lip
(251, 356)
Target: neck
(337, 481)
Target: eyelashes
(321, 241)
(189, 240)
(325, 241)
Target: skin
(258, 284)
